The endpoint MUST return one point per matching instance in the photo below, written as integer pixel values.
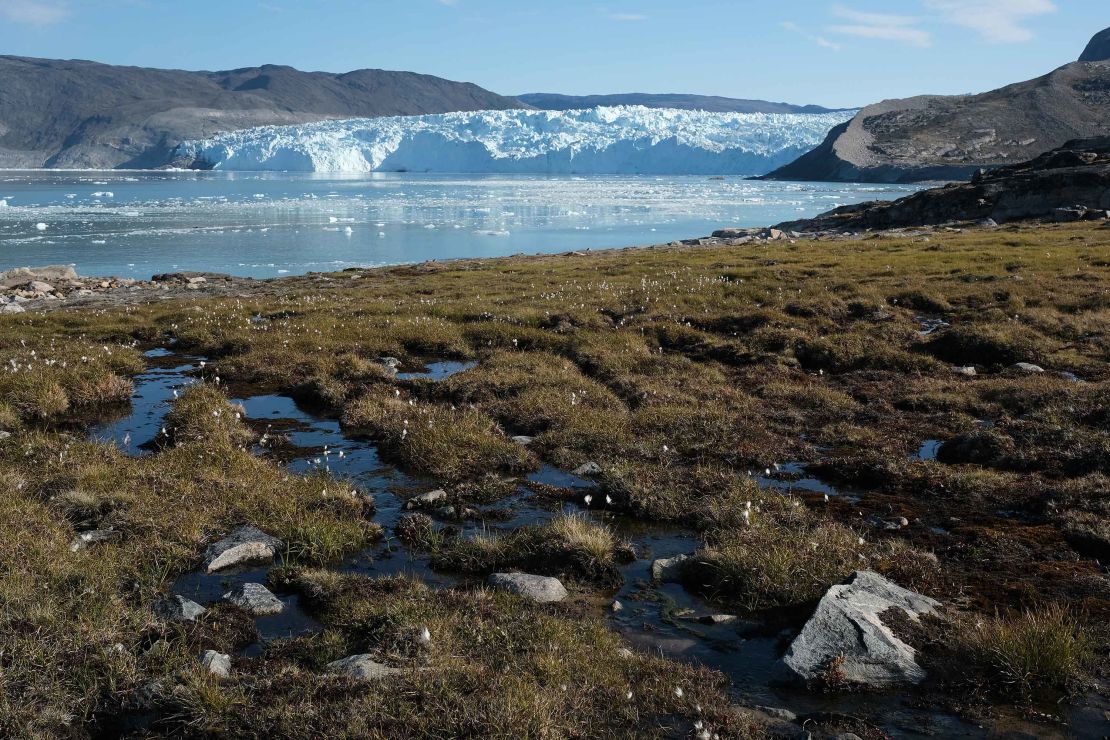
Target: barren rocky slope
(937, 137)
(1071, 183)
(72, 114)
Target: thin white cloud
(33, 12)
(883, 26)
(819, 40)
(626, 17)
(998, 21)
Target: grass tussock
(452, 444)
(1044, 649)
(570, 545)
(204, 415)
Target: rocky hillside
(934, 137)
(710, 103)
(1071, 183)
(70, 114)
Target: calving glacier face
(620, 140)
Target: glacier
(616, 140)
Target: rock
(966, 370)
(22, 275)
(177, 608)
(390, 363)
(587, 470)
(246, 544)
(84, 539)
(38, 286)
(197, 280)
(669, 570)
(426, 500)
(362, 667)
(716, 620)
(255, 599)
(523, 440)
(1027, 367)
(218, 664)
(987, 223)
(776, 234)
(616, 606)
(541, 589)
(625, 653)
(4, 435)
(846, 628)
(1098, 50)
(1068, 215)
(12, 308)
(769, 725)
(784, 714)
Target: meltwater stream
(658, 618)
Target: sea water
(135, 224)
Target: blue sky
(830, 52)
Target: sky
(838, 53)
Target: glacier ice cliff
(618, 140)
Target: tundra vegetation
(689, 375)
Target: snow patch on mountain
(618, 140)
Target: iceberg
(616, 140)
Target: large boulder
(537, 588)
(847, 633)
(1099, 48)
(246, 544)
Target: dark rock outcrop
(1069, 183)
(939, 137)
(1099, 48)
(712, 103)
(56, 113)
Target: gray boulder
(523, 440)
(587, 470)
(1027, 367)
(93, 537)
(177, 608)
(255, 599)
(847, 627)
(246, 544)
(537, 588)
(218, 664)
(12, 308)
(362, 667)
(668, 570)
(426, 500)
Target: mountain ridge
(79, 113)
(951, 137)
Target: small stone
(177, 608)
(4, 435)
(426, 500)
(390, 363)
(587, 470)
(717, 620)
(1027, 367)
(966, 370)
(197, 280)
(668, 570)
(541, 589)
(246, 544)
(361, 667)
(83, 540)
(625, 653)
(255, 599)
(778, 713)
(218, 664)
(616, 606)
(12, 308)
(523, 440)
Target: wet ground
(661, 618)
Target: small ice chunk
(40, 226)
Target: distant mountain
(72, 114)
(713, 104)
(936, 137)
